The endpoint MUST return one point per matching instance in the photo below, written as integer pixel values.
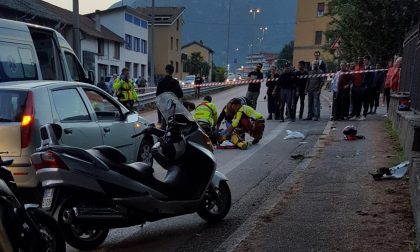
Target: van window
(48, 54)
(16, 63)
(12, 104)
(76, 71)
(70, 106)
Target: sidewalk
(336, 205)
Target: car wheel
(145, 152)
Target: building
(100, 47)
(131, 25)
(311, 24)
(168, 31)
(204, 51)
(267, 59)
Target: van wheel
(216, 203)
(145, 152)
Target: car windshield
(189, 78)
(12, 104)
(168, 103)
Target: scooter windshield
(169, 105)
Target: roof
(163, 15)
(199, 44)
(35, 84)
(121, 8)
(45, 10)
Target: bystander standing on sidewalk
(321, 63)
(198, 81)
(392, 81)
(254, 87)
(313, 89)
(357, 91)
(272, 105)
(300, 88)
(377, 85)
(367, 84)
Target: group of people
(285, 90)
(357, 94)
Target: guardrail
(150, 97)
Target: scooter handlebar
(152, 131)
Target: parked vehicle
(88, 115)
(91, 191)
(32, 52)
(231, 77)
(188, 80)
(24, 228)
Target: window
(127, 41)
(128, 18)
(105, 110)
(12, 103)
(128, 65)
(116, 50)
(76, 71)
(318, 37)
(113, 69)
(136, 44)
(177, 45)
(320, 10)
(177, 24)
(144, 46)
(172, 43)
(101, 47)
(143, 70)
(172, 62)
(69, 105)
(136, 21)
(144, 24)
(135, 70)
(16, 64)
(176, 67)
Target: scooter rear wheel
(216, 204)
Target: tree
(196, 64)
(287, 51)
(370, 27)
(218, 73)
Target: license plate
(48, 198)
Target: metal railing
(410, 70)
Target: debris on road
(350, 133)
(226, 145)
(297, 156)
(293, 135)
(395, 172)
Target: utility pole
(228, 36)
(152, 47)
(76, 29)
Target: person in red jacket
(392, 81)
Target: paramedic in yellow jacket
(247, 120)
(124, 89)
(207, 112)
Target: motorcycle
(24, 227)
(92, 191)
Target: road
(252, 174)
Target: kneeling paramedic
(206, 112)
(246, 120)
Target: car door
(115, 130)
(80, 128)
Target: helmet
(350, 132)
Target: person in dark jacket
(168, 84)
(284, 90)
(300, 88)
(254, 87)
(377, 86)
(321, 63)
(367, 84)
(272, 106)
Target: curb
(234, 240)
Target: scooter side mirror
(50, 134)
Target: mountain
(208, 21)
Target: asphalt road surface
(252, 174)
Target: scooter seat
(144, 169)
(111, 153)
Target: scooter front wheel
(216, 203)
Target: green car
(88, 116)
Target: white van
(32, 52)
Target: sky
(85, 6)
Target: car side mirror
(91, 77)
(132, 117)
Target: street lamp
(261, 41)
(263, 29)
(249, 49)
(254, 12)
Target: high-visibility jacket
(206, 111)
(247, 111)
(125, 90)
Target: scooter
(24, 227)
(91, 191)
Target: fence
(410, 69)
